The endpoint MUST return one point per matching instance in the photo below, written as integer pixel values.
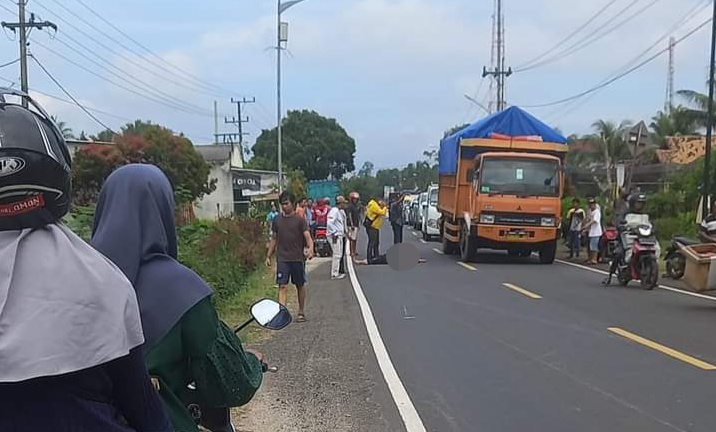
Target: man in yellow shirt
(374, 217)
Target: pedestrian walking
(292, 244)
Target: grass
(235, 309)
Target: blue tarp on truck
(512, 122)
(323, 189)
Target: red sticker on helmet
(24, 206)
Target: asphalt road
(506, 345)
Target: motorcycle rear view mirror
(269, 314)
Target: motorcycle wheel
(649, 273)
(676, 266)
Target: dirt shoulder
(329, 379)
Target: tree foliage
(316, 145)
(454, 129)
(143, 143)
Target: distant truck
(318, 189)
(500, 187)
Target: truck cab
(516, 202)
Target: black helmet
(35, 166)
(636, 199)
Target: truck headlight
(547, 221)
(487, 218)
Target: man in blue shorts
(292, 243)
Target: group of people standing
(583, 223)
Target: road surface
(505, 345)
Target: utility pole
(493, 56)
(499, 71)
(670, 78)
(216, 122)
(239, 122)
(709, 121)
(23, 27)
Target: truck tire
(468, 245)
(548, 253)
(449, 248)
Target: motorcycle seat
(686, 241)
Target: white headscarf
(64, 307)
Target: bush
(224, 253)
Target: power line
(568, 37)
(122, 86)
(139, 44)
(9, 63)
(134, 51)
(595, 36)
(57, 83)
(118, 53)
(692, 13)
(622, 75)
(146, 87)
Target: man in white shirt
(594, 229)
(336, 231)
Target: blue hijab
(134, 227)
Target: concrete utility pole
(24, 29)
(499, 71)
(240, 120)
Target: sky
(392, 72)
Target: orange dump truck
(500, 187)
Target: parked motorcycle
(675, 259)
(608, 243)
(637, 252)
(321, 245)
(268, 314)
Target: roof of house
(214, 152)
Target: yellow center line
(438, 251)
(467, 266)
(522, 291)
(663, 349)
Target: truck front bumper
(503, 234)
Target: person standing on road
(185, 341)
(396, 218)
(374, 217)
(353, 218)
(593, 228)
(336, 233)
(292, 243)
(270, 217)
(576, 219)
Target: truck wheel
(449, 248)
(468, 245)
(548, 253)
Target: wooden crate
(700, 274)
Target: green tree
(174, 154)
(104, 136)
(698, 109)
(679, 121)
(66, 130)
(316, 145)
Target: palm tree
(699, 106)
(609, 138)
(680, 121)
(66, 130)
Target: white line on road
(423, 241)
(407, 410)
(664, 287)
(438, 251)
(467, 266)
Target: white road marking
(438, 251)
(423, 241)
(664, 287)
(407, 410)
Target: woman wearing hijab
(185, 340)
(70, 329)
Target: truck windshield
(516, 176)
(433, 200)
